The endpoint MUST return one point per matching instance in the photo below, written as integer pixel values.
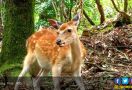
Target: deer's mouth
(62, 44)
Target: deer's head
(67, 32)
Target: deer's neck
(76, 54)
(76, 49)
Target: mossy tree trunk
(1, 28)
(18, 26)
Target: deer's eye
(69, 30)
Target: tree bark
(88, 18)
(125, 5)
(61, 10)
(1, 27)
(18, 26)
(101, 11)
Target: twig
(122, 53)
(99, 67)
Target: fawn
(59, 51)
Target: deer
(57, 51)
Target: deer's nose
(58, 41)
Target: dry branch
(88, 18)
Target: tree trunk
(18, 26)
(101, 11)
(115, 6)
(61, 10)
(125, 5)
(1, 28)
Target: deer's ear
(76, 18)
(54, 23)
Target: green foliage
(43, 11)
(47, 10)
(69, 3)
(91, 10)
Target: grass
(12, 70)
(8, 67)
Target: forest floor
(109, 55)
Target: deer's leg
(37, 79)
(29, 59)
(78, 79)
(56, 73)
(42, 72)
